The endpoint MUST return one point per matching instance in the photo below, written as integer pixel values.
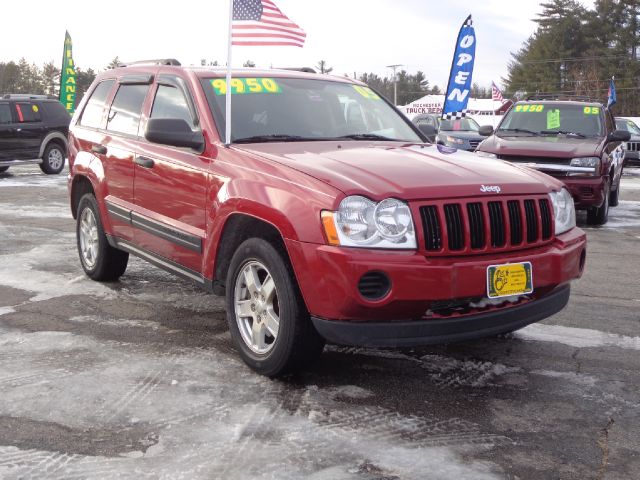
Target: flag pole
(227, 129)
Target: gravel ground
(138, 378)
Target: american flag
(260, 22)
(496, 94)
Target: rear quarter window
(56, 114)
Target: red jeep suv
(327, 218)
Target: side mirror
(428, 131)
(175, 132)
(486, 130)
(619, 136)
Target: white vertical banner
(227, 127)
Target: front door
(6, 132)
(170, 187)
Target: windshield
(294, 109)
(627, 125)
(553, 119)
(461, 125)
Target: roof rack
(562, 96)
(157, 61)
(27, 96)
(299, 69)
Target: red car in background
(317, 225)
(573, 139)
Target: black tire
(297, 343)
(599, 215)
(109, 263)
(53, 159)
(614, 195)
(3, 169)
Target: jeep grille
(486, 225)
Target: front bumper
(328, 277)
(586, 191)
(631, 158)
(430, 332)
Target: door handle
(144, 162)
(99, 149)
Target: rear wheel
(100, 261)
(53, 159)
(268, 320)
(599, 215)
(3, 169)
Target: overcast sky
(351, 35)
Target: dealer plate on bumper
(509, 279)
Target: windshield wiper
(563, 132)
(518, 130)
(275, 138)
(367, 136)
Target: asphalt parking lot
(138, 378)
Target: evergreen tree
(323, 67)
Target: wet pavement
(138, 378)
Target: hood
(464, 134)
(407, 171)
(543, 146)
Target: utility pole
(395, 89)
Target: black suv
(33, 129)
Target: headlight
(592, 162)
(564, 211)
(360, 222)
(457, 141)
(485, 154)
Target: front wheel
(53, 159)
(614, 195)
(100, 261)
(599, 215)
(268, 320)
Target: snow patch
(50, 210)
(577, 378)
(350, 391)
(34, 179)
(6, 310)
(20, 271)
(577, 337)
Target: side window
(5, 114)
(92, 114)
(28, 112)
(170, 102)
(126, 109)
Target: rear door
(29, 130)
(170, 184)
(118, 150)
